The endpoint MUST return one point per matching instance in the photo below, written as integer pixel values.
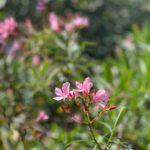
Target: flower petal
(101, 104)
(78, 85)
(58, 98)
(87, 84)
(66, 88)
(58, 92)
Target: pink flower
(14, 48)
(80, 21)
(10, 24)
(101, 97)
(85, 86)
(36, 60)
(69, 26)
(42, 116)
(3, 30)
(40, 6)
(62, 93)
(6, 27)
(53, 22)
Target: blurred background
(44, 43)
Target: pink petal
(78, 85)
(103, 95)
(87, 81)
(45, 117)
(66, 88)
(42, 116)
(102, 104)
(87, 84)
(69, 27)
(58, 92)
(74, 93)
(58, 98)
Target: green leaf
(119, 116)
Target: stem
(98, 116)
(91, 130)
(109, 140)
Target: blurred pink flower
(85, 86)
(80, 21)
(3, 30)
(40, 7)
(10, 24)
(42, 116)
(28, 26)
(28, 22)
(69, 26)
(6, 27)
(62, 93)
(128, 43)
(36, 60)
(101, 97)
(53, 22)
(76, 118)
(14, 48)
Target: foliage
(109, 18)
(128, 80)
(35, 58)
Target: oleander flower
(16, 45)
(53, 22)
(101, 97)
(42, 116)
(62, 94)
(85, 86)
(80, 21)
(36, 60)
(10, 24)
(40, 7)
(69, 26)
(6, 28)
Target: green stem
(98, 116)
(91, 130)
(109, 140)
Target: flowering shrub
(84, 97)
(69, 24)
(37, 55)
(6, 28)
(33, 61)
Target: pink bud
(42, 116)
(36, 60)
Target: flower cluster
(84, 92)
(69, 24)
(6, 28)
